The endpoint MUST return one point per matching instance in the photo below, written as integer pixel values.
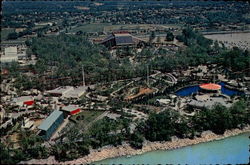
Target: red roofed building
(24, 101)
(71, 110)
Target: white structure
(24, 100)
(209, 103)
(13, 53)
(163, 101)
(68, 91)
(71, 109)
(28, 124)
(76, 92)
(60, 91)
(10, 54)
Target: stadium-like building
(121, 39)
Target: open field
(241, 40)
(5, 32)
(85, 117)
(107, 27)
(89, 28)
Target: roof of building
(47, 123)
(210, 86)
(122, 38)
(70, 108)
(210, 103)
(61, 90)
(23, 99)
(76, 92)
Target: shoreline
(107, 152)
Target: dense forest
(61, 59)
(65, 55)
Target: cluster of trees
(64, 55)
(28, 31)
(103, 132)
(161, 126)
(170, 36)
(236, 59)
(220, 118)
(30, 147)
(201, 50)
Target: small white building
(76, 92)
(24, 101)
(163, 101)
(10, 54)
(71, 109)
(60, 91)
(13, 53)
(27, 124)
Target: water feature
(187, 91)
(232, 150)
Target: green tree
(170, 36)
(12, 36)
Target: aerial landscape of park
(125, 82)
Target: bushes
(221, 118)
(136, 140)
(162, 126)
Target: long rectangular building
(50, 124)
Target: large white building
(68, 91)
(12, 53)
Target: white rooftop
(70, 108)
(76, 92)
(210, 103)
(23, 99)
(61, 90)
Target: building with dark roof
(120, 39)
(50, 124)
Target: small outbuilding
(71, 110)
(24, 101)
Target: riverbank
(126, 149)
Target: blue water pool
(187, 91)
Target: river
(232, 150)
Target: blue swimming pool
(187, 91)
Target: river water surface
(232, 150)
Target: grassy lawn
(5, 32)
(38, 27)
(107, 27)
(98, 27)
(138, 27)
(85, 117)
